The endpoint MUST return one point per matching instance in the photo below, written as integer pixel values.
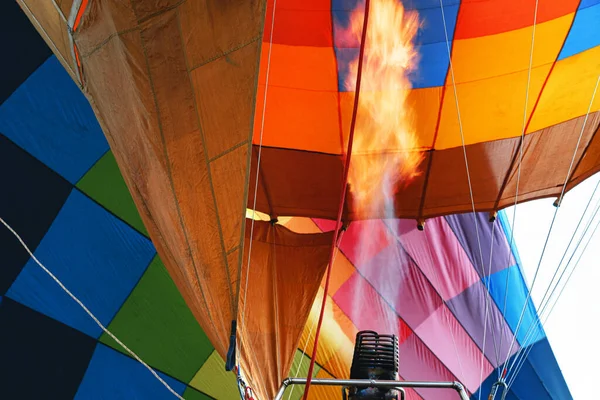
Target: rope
(92, 316)
(506, 287)
(344, 185)
(551, 224)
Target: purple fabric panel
(463, 226)
(418, 363)
(398, 279)
(438, 253)
(469, 308)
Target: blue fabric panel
(584, 33)
(430, 42)
(544, 363)
(50, 118)
(539, 377)
(97, 256)
(517, 293)
(587, 3)
(112, 375)
(432, 67)
(505, 224)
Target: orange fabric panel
(299, 67)
(490, 109)
(569, 90)
(480, 18)
(299, 24)
(298, 119)
(285, 271)
(490, 56)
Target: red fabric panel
(300, 23)
(480, 18)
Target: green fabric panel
(156, 323)
(295, 392)
(192, 394)
(105, 184)
(215, 381)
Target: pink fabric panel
(418, 363)
(461, 355)
(367, 310)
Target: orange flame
(383, 154)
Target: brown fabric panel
(54, 30)
(588, 165)
(233, 24)
(229, 185)
(286, 270)
(188, 167)
(224, 92)
(65, 6)
(298, 183)
(126, 110)
(102, 19)
(547, 156)
(448, 185)
(307, 184)
(149, 8)
(139, 85)
(409, 202)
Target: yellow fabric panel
(490, 109)
(508, 52)
(336, 340)
(569, 90)
(214, 380)
(302, 67)
(324, 392)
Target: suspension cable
(462, 137)
(520, 163)
(344, 186)
(513, 378)
(551, 225)
(529, 337)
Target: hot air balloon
(231, 124)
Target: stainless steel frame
(457, 386)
